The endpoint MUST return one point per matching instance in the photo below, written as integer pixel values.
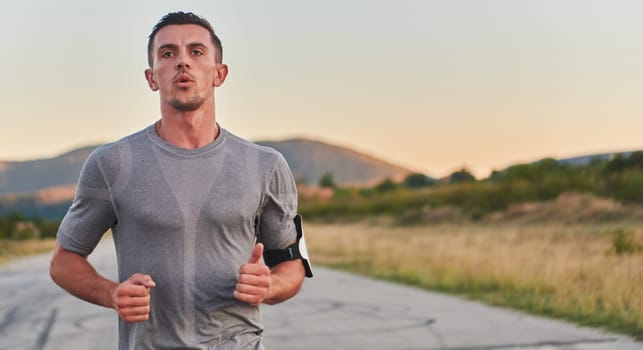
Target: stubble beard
(187, 106)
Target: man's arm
(287, 278)
(259, 284)
(72, 272)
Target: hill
(308, 159)
(586, 159)
(35, 175)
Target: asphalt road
(334, 311)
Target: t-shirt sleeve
(91, 213)
(276, 222)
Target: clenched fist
(253, 284)
(131, 298)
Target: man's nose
(183, 62)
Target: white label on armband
(303, 250)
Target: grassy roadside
(10, 250)
(568, 271)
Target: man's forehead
(182, 34)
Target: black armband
(294, 251)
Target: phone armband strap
(294, 251)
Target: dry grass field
(588, 273)
(14, 249)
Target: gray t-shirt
(188, 218)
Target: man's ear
(220, 73)
(149, 76)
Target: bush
(16, 226)
(386, 185)
(623, 242)
(25, 231)
(625, 186)
(417, 180)
(327, 180)
(462, 175)
(48, 229)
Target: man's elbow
(54, 265)
(60, 263)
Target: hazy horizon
(356, 149)
(429, 85)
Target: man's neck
(188, 129)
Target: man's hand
(253, 284)
(132, 298)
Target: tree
(417, 180)
(327, 180)
(462, 175)
(15, 217)
(616, 164)
(635, 160)
(386, 185)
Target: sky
(430, 85)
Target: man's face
(184, 70)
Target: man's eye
(197, 52)
(167, 54)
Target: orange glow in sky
(431, 85)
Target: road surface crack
(44, 334)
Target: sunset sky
(431, 85)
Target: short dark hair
(174, 18)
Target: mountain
(308, 159)
(35, 175)
(586, 159)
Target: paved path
(334, 311)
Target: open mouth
(183, 79)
